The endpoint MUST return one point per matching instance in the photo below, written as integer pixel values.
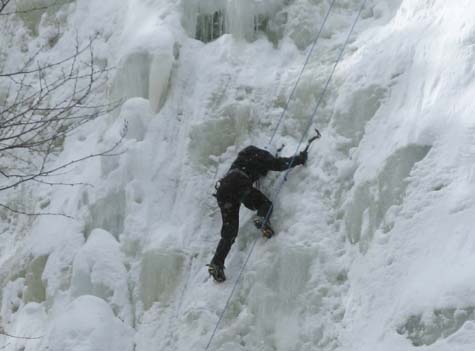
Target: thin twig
(3, 332)
(34, 9)
(33, 214)
(47, 103)
(62, 184)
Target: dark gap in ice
(440, 324)
(210, 26)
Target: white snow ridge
(375, 242)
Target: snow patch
(108, 213)
(41, 8)
(160, 273)
(144, 74)
(370, 202)
(98, 269)
(245, 19)
(87, 324)
(441, 323)
(213, 137)
(360, 108)
(138, 113)
(35, 290)
(23, 285)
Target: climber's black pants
(236, 189)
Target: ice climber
(236, 188)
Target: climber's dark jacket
(256, 162)
(236, 188)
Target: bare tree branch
(30, 70)
(62, 183)
(46, 102)
(31, 9)
(3, 4)
(3, 332)
(42, 172)
(33, 214)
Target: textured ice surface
(88, 324)
(160, 275)
(108, 213)
(98, 269)
(368, 208)
(245, 19)
(426, 330)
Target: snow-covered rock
(87, 324)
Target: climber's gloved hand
(301, 159)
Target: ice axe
(312, 139)
(279, 150)
(309, 142)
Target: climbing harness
(283, 179)
(234, 170)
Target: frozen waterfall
(375, 238)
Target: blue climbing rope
(307, 59)
(284, 178)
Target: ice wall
(374, 243)
(208, 20)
